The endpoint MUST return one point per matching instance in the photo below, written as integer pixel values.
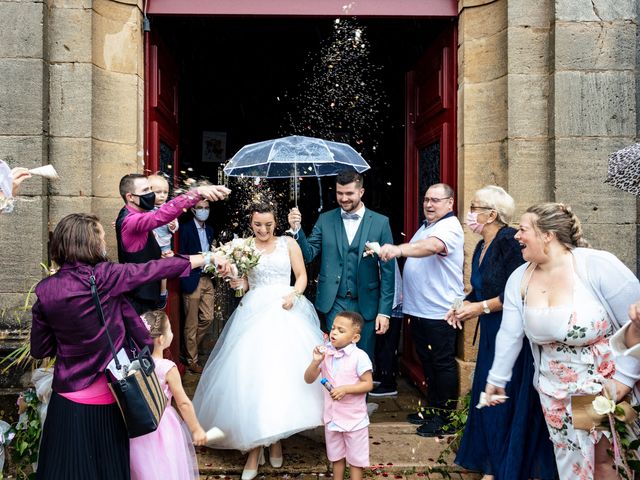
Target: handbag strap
(96, 300)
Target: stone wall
(593, 107)
(546, 90)
(482, 126)
(23, 119)
(71, 94)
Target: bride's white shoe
(276, 462)
(250, 474)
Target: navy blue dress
(509, 441)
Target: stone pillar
(593, 105)
(482, 125)
(71, 94)
(23, 126)
(117, 108)
(528, 167)
(68, 42)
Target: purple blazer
(65, 321)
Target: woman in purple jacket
(84, 434)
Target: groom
(347, 280)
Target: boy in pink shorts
(347, 371)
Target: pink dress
(168, 452)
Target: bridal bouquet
(243, 256)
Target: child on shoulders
(164, 233)
(347, 376)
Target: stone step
(413, 476)
(395, 451)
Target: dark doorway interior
(233, 76)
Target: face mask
(147, 201)
(202, 214)
(472, 222)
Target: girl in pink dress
(168, 452)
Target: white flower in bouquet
(242, 254)
(603, 406)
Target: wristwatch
(485, 307)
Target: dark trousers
(367, 340)
(386, 361)
(435, 342)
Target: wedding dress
(252, 386)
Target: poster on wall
(214, 146)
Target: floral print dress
(575, 359)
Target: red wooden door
(430, 148)
(162, 151)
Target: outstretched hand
(213, 192)
(18, 175)
(224, 267)
(389, 252)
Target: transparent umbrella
(292, 157)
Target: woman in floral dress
(569, 302)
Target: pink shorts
(354, 446)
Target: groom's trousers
(367, 336)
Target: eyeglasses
(434, 200)
(473, 208)
(201, 208)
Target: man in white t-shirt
(432, 281)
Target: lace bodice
(273, 268)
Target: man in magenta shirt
(135, 224)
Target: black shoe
(381, 391)
(419, 418)
(433, 428)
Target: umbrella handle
(320, 192)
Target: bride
(252, 386)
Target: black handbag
(138, 393)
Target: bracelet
(207, 258)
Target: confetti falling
(341, 97)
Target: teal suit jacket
(375, 279)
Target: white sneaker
(371, 407)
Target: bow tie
(333, 352)
(350, 216)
